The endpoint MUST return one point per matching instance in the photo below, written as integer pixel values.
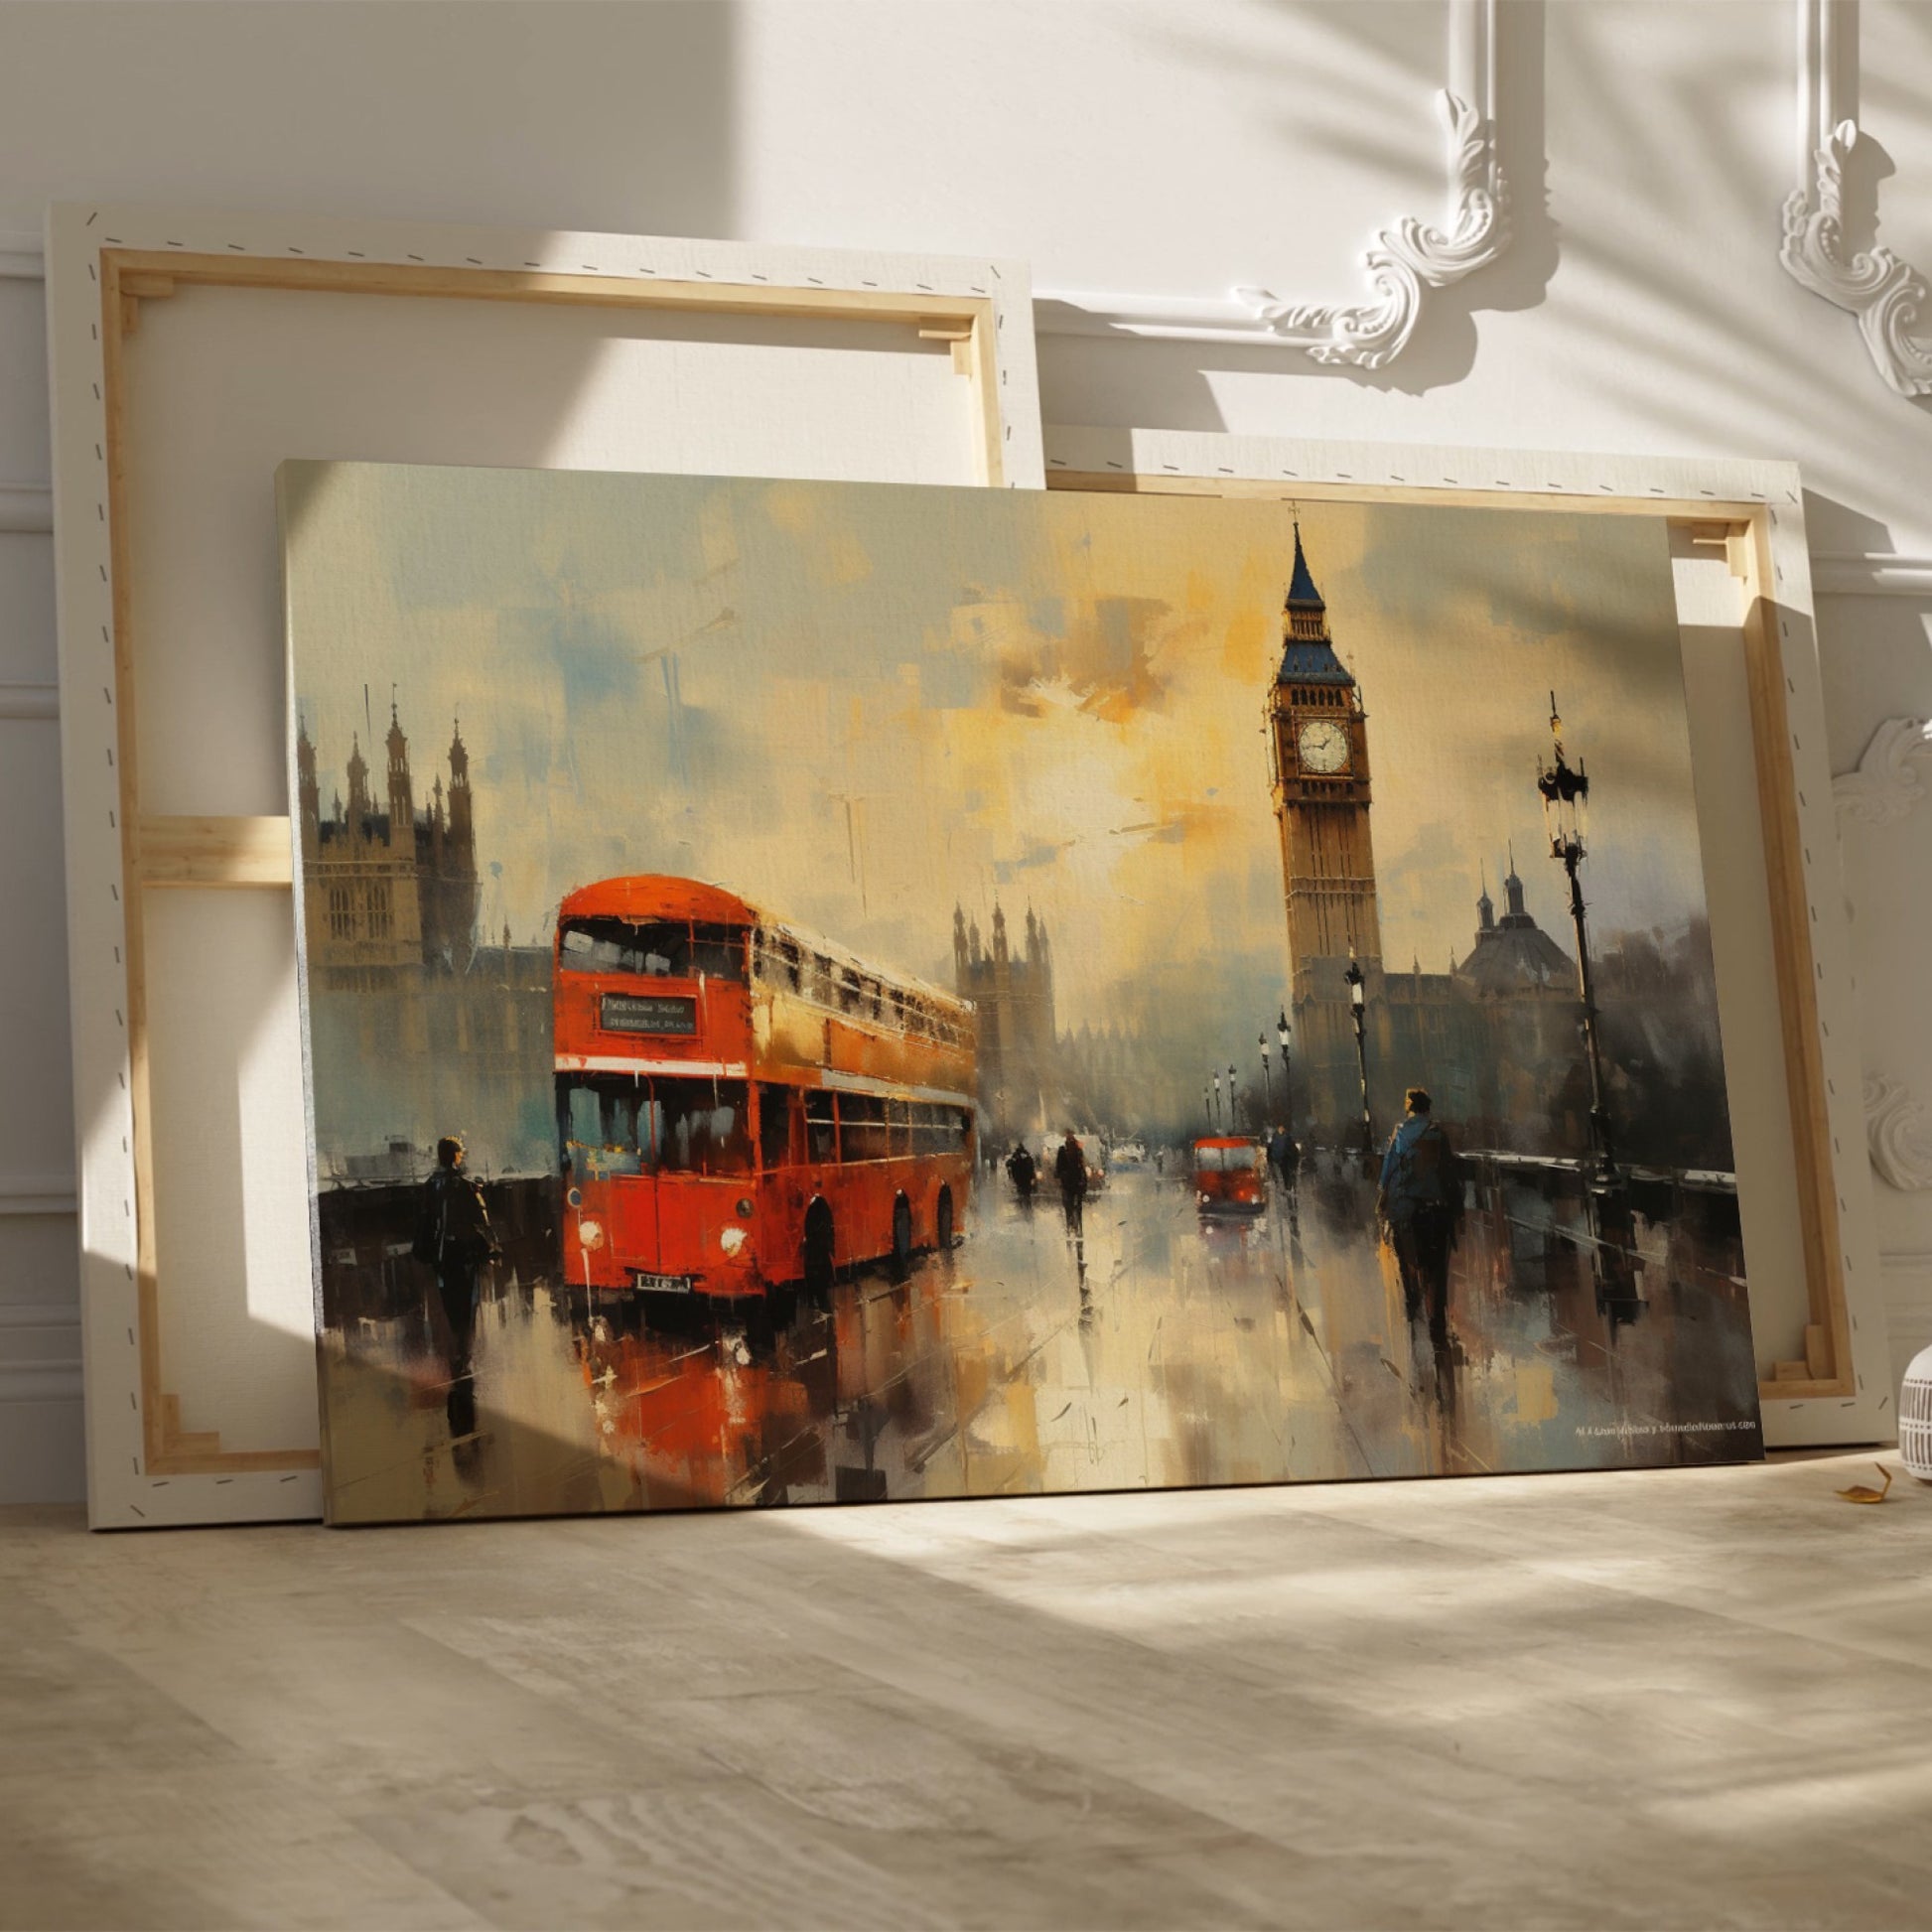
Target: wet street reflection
(1160, 1346)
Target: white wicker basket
(1916, 1416)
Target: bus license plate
(663, 1284)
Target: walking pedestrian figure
(1285, 1157)
(1023, 1170)
(453, 1235)
(1070, 1171)
(1420, 1202)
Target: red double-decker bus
(741, 1103)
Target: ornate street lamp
(1358, 1004)
(1282, 1037)
(1232, 1122)
(1566, 800)
(1215, 1116)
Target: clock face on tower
(1324, 746)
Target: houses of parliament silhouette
(424, 1024)
(1013, 994)
(386, 890)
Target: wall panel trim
(38, 1195)
(27, 508)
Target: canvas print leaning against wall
(831, 992)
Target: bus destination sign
(650, 1013)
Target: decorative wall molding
(1898, 1131)
(40, 1314)
(39, 1382)
(25, 508)
(21, 257)
(1405, 262)
(29, 701)
(1887, 295)
(40, 1351)
(1887, 784)
(1885, 787)
(38, 1194)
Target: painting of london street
(831, 992)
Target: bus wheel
(818, 1250)
(901, 1234)
(943, 1220)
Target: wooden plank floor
(1686, 1699)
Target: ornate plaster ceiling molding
(1898, 1131)
(1888, 296)
(1887, 784)
(1405, 262)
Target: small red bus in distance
(1230, 1174)
(742, 1103)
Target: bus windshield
(620, 1124)
(652, 948)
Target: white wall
(1119, 145)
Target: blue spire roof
(1307, 660)
(1301, 586)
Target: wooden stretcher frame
(1753, 514)
(103, 264)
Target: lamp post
(1232, 1122)
(1214, 1118)
(1614, 1263)
(1358, 1006)
(1287, 1088)
(1267, 1084)
(1566, 799)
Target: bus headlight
(732, 1239)
(590, 1234)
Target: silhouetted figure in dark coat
(453, 1235)
(1023, 1170)
(1420, 1201)
(1070, 1171)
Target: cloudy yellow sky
(859, 704)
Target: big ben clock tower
(1317, 737)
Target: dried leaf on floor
(1862, 1492)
